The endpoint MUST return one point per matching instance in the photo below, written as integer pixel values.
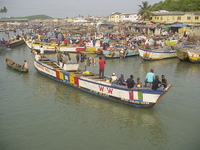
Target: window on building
(127, 16)
(167, 18)
(196, 17)
(188, 18)
(161, 18)
(172, 18)
(178, 18)
(157, 18)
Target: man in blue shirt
(149, 78)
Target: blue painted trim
(148, 91)
(149, 50)
(86, 90)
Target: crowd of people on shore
(106, 38)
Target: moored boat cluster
(110, 43)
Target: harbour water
(37, 113)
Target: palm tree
(5, 10)
(1, 11)
(145, 11)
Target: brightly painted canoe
(194, 55)
(172, 42)
(90, 82)
(48, 47)
(156, 54)
(119, 54)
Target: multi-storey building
(114, 17)
(121, 17)
(189, 18)
(133, 17)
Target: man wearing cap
(113, 77)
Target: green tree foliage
(3, 10)
(33, 17)
(177, 5)
(145, 11)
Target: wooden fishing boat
(15, 43)
(11, 44)
(194, 55)
(171, 42)
(120, 53)
(70, 74)
(15, 66)
(182, 53)
(157, 53)
(51, 47)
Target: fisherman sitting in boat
(163, 81)
(156, 83)
(121, 80)
(25, 65)
(113, 78)
(138, 83)
(130, 82)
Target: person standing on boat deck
(156, 83)
(77, 58)
(25, 65)
(42, 51)
(102, 63)
(130, 82)
(59, 57)
(163, 81)
(150, 77)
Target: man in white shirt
(42, 51)
(113, 77)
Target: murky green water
(37, 113)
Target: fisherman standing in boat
(102, 63)
(149, 78)
(42, 51)
(59, 57)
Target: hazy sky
(70, 8)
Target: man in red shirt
(101, 67)
(65, 42)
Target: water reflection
(187, 68)
(102, 112)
